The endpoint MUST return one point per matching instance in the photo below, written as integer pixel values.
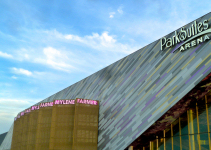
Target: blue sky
(45, 46)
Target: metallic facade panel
(85, 126)
(62, 127)
(43, 128)
(32, 129)
(53, 126)
(25, 132)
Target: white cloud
(111, 14)
(14, 103)
(14, 77)
(5, 55)
(56, 59)
(12, 107)
(69, 37)
(5, 84)
(103, 42)
(120, 10)
(71, 52)
(95, 49)
(23, 54)
(26, 56)
(34, 74)
(73, 37)
(9, 108)
(96, 40)
(21, 71)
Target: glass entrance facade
(191, 131)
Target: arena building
(157, 98)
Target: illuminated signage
(86, 101)
(18, 116)
(57, 102)
(27, 110)
(35, 107)
(22, 113)
(48, 104)
(188, 36)
(64, 102)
